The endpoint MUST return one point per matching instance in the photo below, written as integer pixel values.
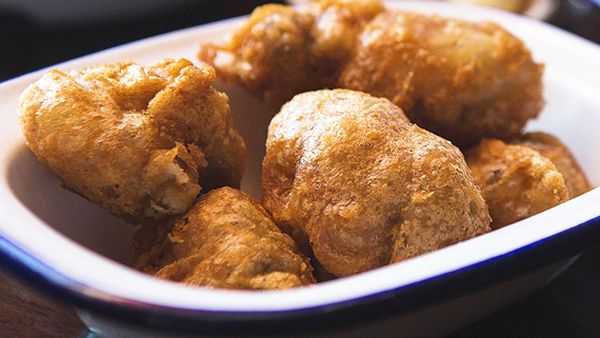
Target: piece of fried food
(461, 80)
(350, 175)
(139, 141)
(267, 55)
(281, 51)
(554, 150)
(227, 240)
(335, 30)
(526, 176)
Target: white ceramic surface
(80, 241)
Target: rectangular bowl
(78, 253)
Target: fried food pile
(526, 176)
(461, 80)
(354, 178)
(226, 240)
(139, 141)
(349, 174)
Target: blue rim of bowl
(345, 314)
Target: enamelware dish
(78, 253)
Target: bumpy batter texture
(554, 150)
(458, 79)
(139, 141)
(525, 176)
(227, 240)
(280, 51)
(349, 176)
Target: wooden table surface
(25, 313)
(570, 302)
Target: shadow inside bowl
(251, 117)
(40, 191)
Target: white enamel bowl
(78, 253)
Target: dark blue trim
(352, 312)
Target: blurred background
(39, 33)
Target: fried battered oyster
(526, 176)
(349, 175)
(280, 51)
(267, 54)
(461, 80)
(227, 240)
(139, 141)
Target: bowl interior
(572, 113)
(573, 118)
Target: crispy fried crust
(280, 51)
(348, 174)
(267, 54)
(139, 141)
(461, 80)
(516, 180)
(551, 148)
(227, 240)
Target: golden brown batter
(349, 175)
(525, 176)
(458, 79)
(139, 141)
(227, 240)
